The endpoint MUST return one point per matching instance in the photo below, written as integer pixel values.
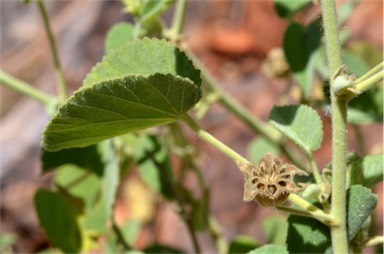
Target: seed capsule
(271, 182)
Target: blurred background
(232, 38)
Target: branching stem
(313, 211)
(339, 129)
(62, 88)
(24, 88)
(237, 158)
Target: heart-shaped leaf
(117, 106)
(299, 123)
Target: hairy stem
(24, 88)
(339, 131)
(314, 211)
(237, 158)
(371, 72)
(62, 88)
(361, 87)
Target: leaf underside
(114, 107)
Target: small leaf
(144, 57)
(301, 48)
(299, 123)
(270, 249)
(259, 147)
(306, 235)
(119, 106)
(287, 9)
(59, 219)
(118, 35)
(360, 204)
(275, 229)
(242, 244)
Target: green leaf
(287, 9)
(59, 219)
(95, 220)
(79, 183)
(306, 235)
(115, 107)
(242, 244)
(360, 204)
(299, 123)
(300, 46)
(275, 229)
(145, 57)
(120, 34)
(367, 171)
(372, 170)
(270, 249)
(259, 147)
(86, 158)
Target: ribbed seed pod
(271, 182)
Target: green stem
(339, 131)
(62, 88)
(255, 124)
(178, 20)
(24, 88)
(237, 158)
(374, 70)
(316, 172)
(364, 85)
(314, 211)
(375, 240)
